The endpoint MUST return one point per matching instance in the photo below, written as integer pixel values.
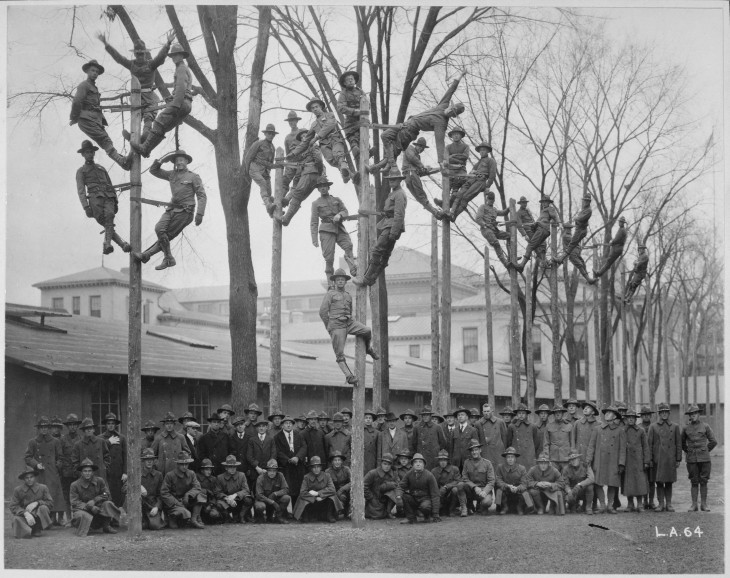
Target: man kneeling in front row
(91, 502)
(181, 495)
(30, 506)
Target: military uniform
(331, 233)
(515, 475)
(581, 229)
(380, 493)
(272, 495)
(214, 445)
(420, 493)
(554, 494)
(96, 449)
(493, 434)
(458, 155)
(166, 447)
(348, 105)
(477, 481)
(524, 437)
(92, 506)
(258, 161)
(152, 484)
(574, 255)
(448, 479)
(68, 474)
(486, 218)
(310, 169)
(579, 486)
(209, 513)
(429, 441)
(22, 497)
(616, 249)
(697, 443)
(341, 478)
(48, 451)
(459, 449)
(331, 143)
(480, 179)
(391, 444)
(412, 169)
(182, 497)
(541, 230)
(581, 435)
(638, 273)
(324, 486)
(234, 484)
(370, 454)
(314, 438)
(607, 456)
(117, 466)
(637, 456)
(341, 442)
(557, 442)
(665, 448)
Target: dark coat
(493, 434)
(525, 438)
(314, 438)
(412, 436)
(459, 451)
(239, 448)
(166, 447)
(637, 454)
(421, 485)
(322, 484)
(581, 435)
(96, 449)
(557, 440)
(338, 441)
(117, 466)
(377, 485)
(665, 449)
(606, 452)
(48, 451)
(192, 447)
(697, 442)
(430, 441)
(260, 452)
(67, 445)
(391, 444)
(370, 459)
(294, 473)
(216, 447)
(511, 476)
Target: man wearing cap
(391, 440)
(310, 168)
(44, 454)
(541, 230)
(379, 423)
(291, 451)
(480, 179)
(258, 161)
(290, 143)
(185, 187)
(477, 479)
(238, 444)
(68, 473)
(314, 437)
(117, 470)
(557, 437)
(473, 419)
(525, 220)
(436, 119)
(645, 424)
(226, 413)
(317, 498)
(511, 484)
(419, 492)
(430, 439)
(338, 440)
(543, 412)
(581, 230)
(149, 430)
(583, 429)
(486, 218)
(253, 411)
(210, 513)
(178, 107)
(402, 464)
(572, 414)
(91, 503)
(544, 482)
(271, 495)
(697, 443)
(336, 314)
(190, 434)
(492, 434)
(233, 495)
(327, 215)
(507, 414)
(413, 168)
(143, 67)
(380, 489)
(181, 494)
(215, 444)
(448, 479)
(324, 423)
(341, 476)
(616, 248)
(261, 449)
(348, 105)
(98, 198)
(92, 447)
(325, 132)
(524, 437)
(579, 480)
(184, 419)
(30, 506)
(346, 420)
(390, 228)
(408, 417)
(637, 462)
(275, 420)
(607, 456)
(665, 447)
(151, 486)
(86, 112)
(574, 255)
(637, 274)
(459, 153)
(168, 444)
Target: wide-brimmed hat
(483, 145)
(185, 416)
(293, 116)
(390, 416)
(87, 463)
(312, 414)
(458, 410)
(323, 415)
(206, 463)
(567, 225)
(692, 409)
(338, 417)
(592, 404)
(442, 455)
(300, 134)
(139, 46)
(231, 461)
(408, 412)
(336, 454)
(87, 145)
(458, 129)
(270, 128)
(662, 407)
(370, 412)
(346, 410)
(474, 444)
(352, 73)
(214, 417)
(573, 454)
(558, 408)
(323, 182)
(544, 457)
(239, 419)
(572, 400)
(178, 49)
(315, 461)
(340, 273)
(510, 451)
(261, 421)
(523, 199)
(404, 453)
(254, 407)
(438, 417)
(183, 457)
(112, 417)
(507, 411)
(418, 457)
(427, 409)
(181, 153)
(148, 454)
(27, 470)
(612, 408)
(622, 219)
(56, 421)
(543, 407)
(387, 457)
(149, 424)
(394, 175)
(474, 412)
(272, 464)
(421, 142)
(315, 101)
(169, 416)
(646, 410)
(380, 411)
(91, 63)
(631, 413)
(302, 418)
(620, 404)
(521, 407)
(87, 423)
(226, 407)
(276, 413)
(72, 419)
(287, 418)
(43, 421)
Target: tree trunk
(445, 345)
(571, 287)
(555, 319)
(490, 330)
(435, 308)
(514, 323)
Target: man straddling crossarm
(541, 230)
(579, 480)
(574, 255)
(380, 489)
(665, 447)
(151, 498)
(697, 443)
(477, 480)
(271, 495)
(143, 67)
(390, 228)
(511, 484)
(480, 179)
(420, 493)
(544, 482)
(581, 229)
(325, 132)
(341, 476)
(310, 169)
(91, 502)
(290, 143)
(348, 105)
(258, 162)
(182, 498)
(233, 495)
(336, 314)
(328, 213)
(637, 274)
(30, 506)
(413, 168)
(616, 248)
(185, 187)
(98, 198)
(178, 107)
(486, 218)
(436, 119)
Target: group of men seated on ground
(249, 469)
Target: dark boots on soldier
(123, 245)
(195, 520)
(668, 497)
(169, 260)
(501, 256)
(695, 490)
(371, 275)
(351, 264)
(123, 161)
(108, 233)
(152, 140)
(703, 497)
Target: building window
(536, 345)
(206, 307)
(57, 303)
(76, 304)
(95, 305)
(294, 304)
(104, 399)
(454, 405)
(418, 402)
(146, 312)
(414, 350)
(198, 402)
(471, 344)
(331, 401)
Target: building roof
(310, 287)
(399, 327)
(96, 276)
(409, 263)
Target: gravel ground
(503, 543)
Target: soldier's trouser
(633, 285)
(383, 248)
(699, 472)
(338, 335)
(476, 494)
(577, 260)
(333, 151)
(414, 185)
(104, 208)
(42, 517)
(242, 506)
(540, 234)
(268, 510)
(84, 521)
(451, 498)
(352, 135)
(344, 497)
(289, 178)
(170, 225)
(613, 256)
(95, 130)
(579, 234)
(510, 499)
(149, 100)
(581, 493)
(537, 496)
(317, 510)
(413, 505)
(468, 191)
(307, 183)
(328, 242)
(66, 489)
(260, 175)
(171, 116)
(493, 237)
(395, 141)
(456, 181)
(152, 522)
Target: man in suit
(462, 435)
(261, 449)
(391, 440)
(238, 445)
(291, 450)
(214, 444)
(314, 437)
(191, 437)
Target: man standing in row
(697, 443)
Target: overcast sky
(48, 234)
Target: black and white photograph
(287, 285)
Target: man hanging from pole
(616, 248)
(480, 179)
(581, 229)
(336, 314)
(330, 211)
(541, 232)
(638, 273)
(396, 140)
(290, 143)
(177, 109)
(389, 228)
(412, 170)
(326, 133)
(348, 105)
(98, 198)
(86, 112)
(310, 168)
(185, 186)
(574, 255)
(258, 161)
(143, 67)
(487, 220)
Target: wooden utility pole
(275, 313)
(528, 338)
(514, 319)
(378, 400)
(625, 394)
(720, 431)
(584, 347)
(361, 314)
(445, 341)
(490, 328)
(597, 334)
(435, 333)
(555, 318)
(708, 407)
(134, 375)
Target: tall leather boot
(153, 139)
(270, 205)
(123, 245)
(660, 499)
(561, 505)
(668, 496)
(462, 504)
(195, 520)
(169, 260)
(290, 212)
(539, 504)
(695, 489)
(145, 255)
(501, 256)
(703, 496)
(351, 264)
(371, 275)
(351, 379)
(123, 161)
(344, 171)
(108, 232)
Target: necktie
(291, 442)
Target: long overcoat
(606, 452)
(48, 451)
(665, 448)
(494, 437)
(430, 441)
(321, 483)
(637, 454)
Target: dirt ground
(492, 544)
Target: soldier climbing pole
(444, 391)
(275, 338)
